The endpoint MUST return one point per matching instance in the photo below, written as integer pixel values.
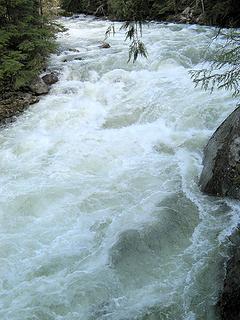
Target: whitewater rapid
(101, 216)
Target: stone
(73, 50)
(50, 78)
(221, 163)
(105, 45)
(38, 86)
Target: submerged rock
(221, 172)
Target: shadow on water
(146, 257)
(139, 255)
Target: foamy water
(100, 210)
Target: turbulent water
(100, 210)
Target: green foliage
(223, 13)
(97, 7)
(133, 33)
(216, 12)
(26, 39)
(137, 10)
(224, 72)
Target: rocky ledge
(12, 103)
(221, 177)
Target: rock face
(14, 103)
(228, 304)
(221, 172)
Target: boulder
(50, 78)
(105, 45)
(38, 86)
(221, 163)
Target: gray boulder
(105, 45)
(50, 78)
(38, 86)
(221, 171)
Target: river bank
(14, 103)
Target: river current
(101, 215)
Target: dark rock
(50, 78)
(221, 172)
(38, 86)
(105, 45)
(228, 304)
(73, 50)
(73, 57)
(14, 103)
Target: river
(101, 216)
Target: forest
(26, 40)
(27, 31)
(216, 12)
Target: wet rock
(38, 86)
(72, 57)
(50, 78)
(105, 45)
(221, 171)
(14, 103)
(73, 50)
(228, 304)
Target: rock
(50, 78)
(72, 57)
(38, 86)
(105, 45)
(73, 50)
(228, 304)
(221, 171)
(14, 103)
